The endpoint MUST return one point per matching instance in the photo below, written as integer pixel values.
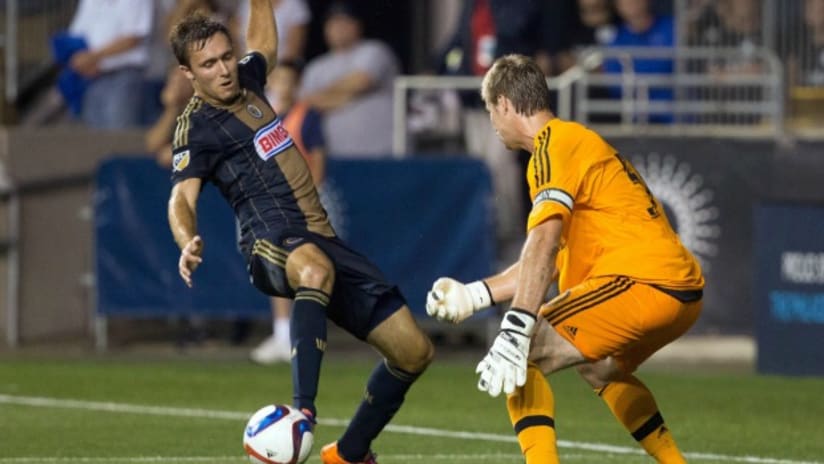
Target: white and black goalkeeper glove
(504, 367)
(453, 301)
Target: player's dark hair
(192, 32)
(518, 78)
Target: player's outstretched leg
(314, 275)
(532, 412)
(408, 352)
(632, 403)
(308, 336)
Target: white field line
(44, 402)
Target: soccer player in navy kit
(229, 135)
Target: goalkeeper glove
(504, 367)
(452, 301)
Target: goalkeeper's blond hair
(518, 78)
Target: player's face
(501, 120)
(213, 70)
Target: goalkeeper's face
(213, 70)
(501, 116)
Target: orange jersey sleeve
(553, 180)
(613, 225)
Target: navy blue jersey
(245, 150)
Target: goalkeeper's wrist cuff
(523, 313)
(481, 296)
(519, 320)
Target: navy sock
(385, 392)
(307, 329)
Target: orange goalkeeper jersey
(613, 225)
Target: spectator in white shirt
(351, 85)
(116, 32)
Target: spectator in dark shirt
(641, 27)
(486, 30)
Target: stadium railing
(711, 91)
(561, 86)
(703, 96)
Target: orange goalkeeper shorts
(619, 317)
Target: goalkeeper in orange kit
(627, 285)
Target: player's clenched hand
(190, 259)
(452, 301)
(504, 367)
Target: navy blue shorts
(361, 298)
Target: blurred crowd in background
(343, 58)
(128, 77)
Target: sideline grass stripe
(36, 401)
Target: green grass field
(124, 410)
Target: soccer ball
(278, 434)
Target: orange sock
(633, 405)
(532, 411)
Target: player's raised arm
(262, 32)
(183, 222)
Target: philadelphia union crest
(254, 111)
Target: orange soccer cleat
(329, 455)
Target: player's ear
(503, 104)
(187, 72)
